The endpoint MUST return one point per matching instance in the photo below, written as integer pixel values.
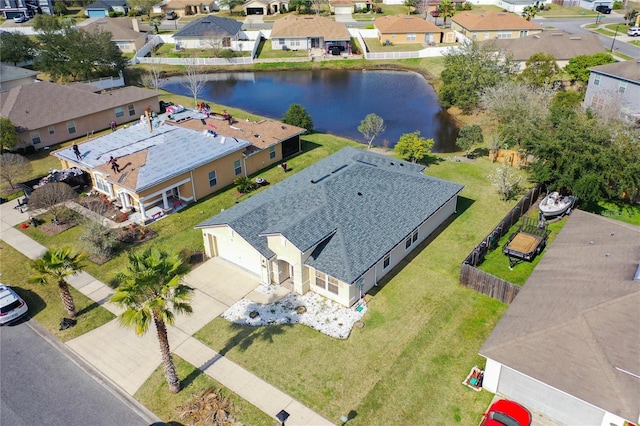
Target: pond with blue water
(337, 100)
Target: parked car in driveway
(12, 307)
(506, 413)
(172, 16)
(20, 19)
(634, 32)
(603, 9)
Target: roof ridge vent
(320, 179)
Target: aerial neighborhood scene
(320, 212)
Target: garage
(97, 13)
(255, 11)
(342, 10)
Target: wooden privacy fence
(483, 282)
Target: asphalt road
(573, 26)
(41, 385)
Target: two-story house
(615, 87)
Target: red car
(506, 413)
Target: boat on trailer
(555, 204)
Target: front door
(315, 42)
(283, 271)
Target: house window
(35, 138)
(332, 285)
(295, 43)
(487, 35)
(321, 280)
(414, 238)
(386, 261)
(237, 167)
(213, 180)
(411, 37)
(523, 33)
(281, 40)
(119, 112)
(504, 34)
(596, 80)
(132, 110)
(71, 127)
(622, 87)
(407, 242)
(52, 130)
(101, 184)
(272, 152)
(411, 239)
(226, 42)
(474, 35)
(393, 36)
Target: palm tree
(529, 12)
(59, 264)
(151, 291)
(446, 9)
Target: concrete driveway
(129, 359)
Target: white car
(20, 19)
(634, 31)
(12, 307)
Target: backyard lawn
(374, 45)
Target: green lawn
(497, 263)
(567, 12)
(154, 394)
(45, 305)
(265, 51)
(374, 45)
(421, 335)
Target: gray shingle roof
(626, 70)
(574, 324)
(359, 205)
(210, 26)
(106, 4)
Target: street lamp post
(282, 417)
(614, 38)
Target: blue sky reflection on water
(337, 100)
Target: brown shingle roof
(561, 45)
(120, 28)
(627, 70)
(489, 21)
(42, 104)
(404, 24)
(576, 319)
(292, 26)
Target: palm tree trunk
(67, 298)
(167, 360)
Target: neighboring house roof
(294, 26)
(106, 4)
(210, 26)
(265, 2)
(627, 70)
(563, 46)
(574, 324)
(42, 104)
(148, 158)
(351, 208)
(11, 73)
(120, 28)
(400, 24)
(342, 2)
(179, 4)
(491, 21)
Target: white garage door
(343, 10)
(548, 400)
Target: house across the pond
(336, 227)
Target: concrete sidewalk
(128, 360)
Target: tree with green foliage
(411, 5)
(58, 264)
(564, 105)
(468, 70)
(542, 70)
(59, 8)
(413, 148)
(578, 66)
(507, 181)
(73, 54)
(371, 127)
(8, 134)
(143, 7)
(631, 16)
(47, 23)
(446, 9)
(230, 4)
(151, 291)
(529, 12)
(518, 110)
(296, 115)
(16, 47)
(155, 22)
(469, 135)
